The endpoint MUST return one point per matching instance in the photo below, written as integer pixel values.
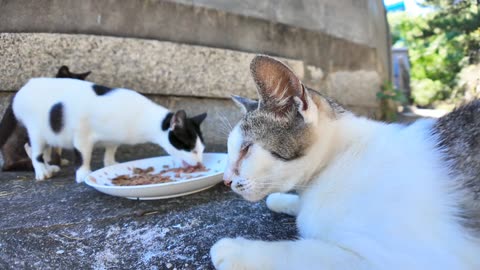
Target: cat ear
(63, 72)
(82, 76)
(198, 119)
(277, 85)
(245, 104)
(178, 119)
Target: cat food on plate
(146, 176)
(158, 177)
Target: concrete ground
(59, 224)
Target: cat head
(64, 72)
(268, 148)
(185, 141)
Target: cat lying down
(75, 114)
(370, 195)
(15, 147)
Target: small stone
(169, 265)
(61, 251)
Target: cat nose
(227, 176)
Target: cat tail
(8, 124)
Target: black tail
(8, 124)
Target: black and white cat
(370, 195)
(14, 146)
(75, 114)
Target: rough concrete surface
(164, 68)
(58, 224)
(148, 66)
(350, 32)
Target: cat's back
(51, 87)
(39, 93)
(39, 96)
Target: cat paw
(64, 162)
(42, 173)
(109, 163)
(53, 169)
(229, 254)
(81, 174)
(283, 203)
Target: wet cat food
(146, 176)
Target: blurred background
(435, 53)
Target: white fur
(120, 117)
(371, 196)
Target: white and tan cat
(370, 195)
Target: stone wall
(195, 54)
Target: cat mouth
(246, 194)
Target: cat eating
(370, 195)
(14, 145)
(76, 114)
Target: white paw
(110, 163)
(53, 169)
(229, 254)
(81, 174)
(283, 203)
(64, 162)
(41, 172)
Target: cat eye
(245, 148)
(277, 155)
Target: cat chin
(252, 197)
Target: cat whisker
(227, 127)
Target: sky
(411, 6)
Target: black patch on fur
(40, 158)
(166, 121)
(186, 137)
(78, 158)
(56, 117)
(101, 90)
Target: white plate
(101, 179)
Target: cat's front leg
(284, 203)
(63, 161)
(239, 253)
(83, 151)
(109, 156)
(47, 154)
(36, 154)
(233, 254)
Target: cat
(76, 114)
(15, 148)
(369, 195)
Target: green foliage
(426, 91)
(440, 44)
(390, 98)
